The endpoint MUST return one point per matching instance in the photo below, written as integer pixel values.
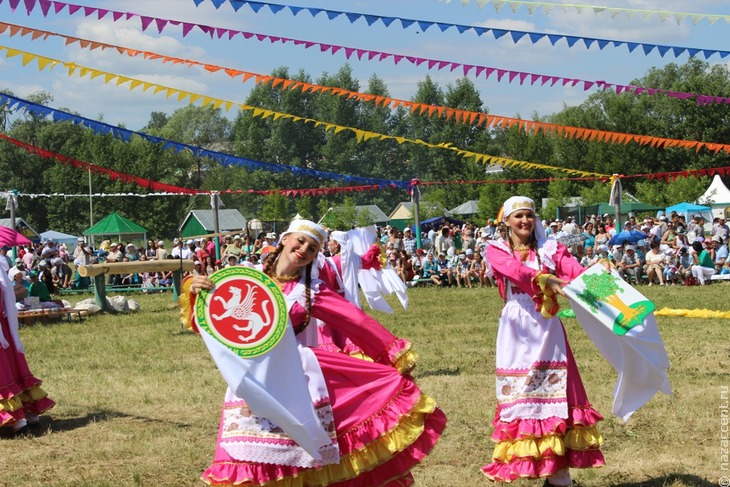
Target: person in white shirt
(188, 252)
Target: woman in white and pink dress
(21, 398)
(544, 423)
(379, 423)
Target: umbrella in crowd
(266, 249)
(569, 239)
(627, 236)
(11, 238)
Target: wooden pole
(140, 266)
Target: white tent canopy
(469, 208)
(717, 196)
(60, 238)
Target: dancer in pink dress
(379, 422)
(544, 423)
(21, 398)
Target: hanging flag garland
(172, 190)
(360, 135)
(461, 116)
(514, 35)
(48, 6)
(548, 7)
(102, 128)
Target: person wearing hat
(409, 241)
(530, 271)
(234, 248)
(38, 288)
(353, 449)
(79, 247)
(18, 267)
(630, 266)
(84, 257)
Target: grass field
(139, 399)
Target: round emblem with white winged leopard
(246, 311)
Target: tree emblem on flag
(604, 288)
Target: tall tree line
(303, 145)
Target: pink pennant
(88, 11)
(29, 6)
(101, 13)
(161, 24)
(186, 28)
(146, 21)
(45, 6)
(58, 6)
(117, 15)
(72, 9)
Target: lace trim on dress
(547, 252)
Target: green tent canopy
(116, 224)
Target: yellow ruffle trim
(579, 439)
(408, 430)
(361, 355)
(16, 402)
(550, 305)
(406, 360)
(11, 405)
(186, 312)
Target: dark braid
(269, 269)
(271, 259)
(308, 296)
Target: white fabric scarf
(9, 309)
(639, 356)
(274, 386)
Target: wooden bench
(45, 315)
(99, 273)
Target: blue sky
(92, 98)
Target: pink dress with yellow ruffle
(20, 391)
(382, 424)
(544, 422)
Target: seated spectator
(61, 272)
(197, 269)
(589, 258)
(232, 261)
(684, 264)
(38, 289)
(131, 279)
(654, 267)
(20, 286)
(462, 271)
(430, 270)
(18, 267)
(445, 272)
(45, 275)
(477, 270)
(703, 267)
(721, 252)
(404, 267)
(630, 265)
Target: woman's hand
(201, 282)
(555, 284)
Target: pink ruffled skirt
(384, 427)
(20, 392)
(532, 448)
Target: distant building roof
(403, 211)
(227, 220)
(375, 212)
